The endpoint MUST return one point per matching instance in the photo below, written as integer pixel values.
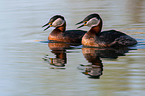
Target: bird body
(107, 39)
(69, 36)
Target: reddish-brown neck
(62, 28)
(97, 29)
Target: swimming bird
(60, 34)
(95, 38)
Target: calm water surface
(32, 67)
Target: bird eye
(85, 22)
(50, 23)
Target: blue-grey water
(30, 66)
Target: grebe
(60, 34)
(95, 38)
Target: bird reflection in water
(59, 49)
(94, 55)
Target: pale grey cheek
(90, 24)
(54, 24)
(58, 22)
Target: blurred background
(23, 71)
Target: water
(30, 68)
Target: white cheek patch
(93, 22)
(58, 22)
